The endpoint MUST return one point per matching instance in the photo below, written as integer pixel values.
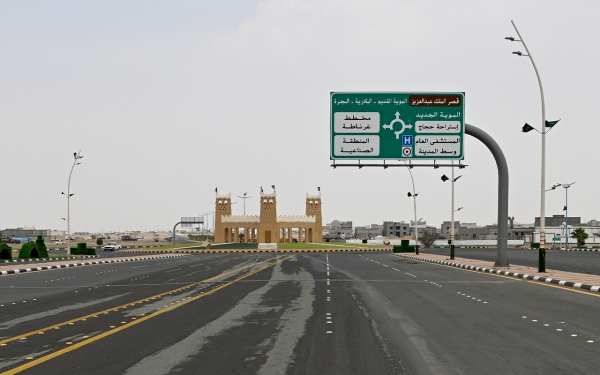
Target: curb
(578, 249)
(40, 259)
(257, 251)
(43, 268)
(544, 279)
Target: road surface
(313, 313)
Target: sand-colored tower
(313, 208)
(269, 231)
(222, 208)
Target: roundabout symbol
(391, 125)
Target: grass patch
(323, 245)
(234, 246)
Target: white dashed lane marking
(557, 329)
(328, 319)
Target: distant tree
(580, 235)
(99, 242)
(427, 239)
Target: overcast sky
(167, 100)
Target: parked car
(59, 242)
(112, 246)
(128, 238)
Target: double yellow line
(138, 320)
(135, 322)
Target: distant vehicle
(20, 240)
(128, 238)
(294, 239)
(5, 239)
(59, 242)
(112, 246)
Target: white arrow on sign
(391, 125)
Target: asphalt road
(313, 313)
(571, 261)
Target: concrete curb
(256, 251)
(561, 249)
(544, 279)
(100, 247)
(43, 268)
(46, 259)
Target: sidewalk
(12, 268)
(572, 279)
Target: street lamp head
(63, 218)
(510, 38)
(518, 53)
(445, 178)
(409, 194)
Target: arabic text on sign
(450, 127)
(356, 122)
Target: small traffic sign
(407, 140)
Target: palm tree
(580, 235)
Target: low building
(340, 228)
(396, 229)
(29, 232)
(445, 229)
(368, 231)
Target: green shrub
(404, 243)
(402, 249)
(364, 241)
(535, 245)
(82, 248)
(74, 251)
(90, 251)
(29, 250)
(41, 246)
(5, 251)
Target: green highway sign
(397, 125)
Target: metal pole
(452, 217)
(501, 257)
(415, 209)
(566, 216)
(543, 178)
(174, 243)
(69, 203)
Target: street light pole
(244, 197)
(76, 156)
(414, 196)
(567, 186)
(453, 180)
(543, 179)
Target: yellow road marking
(567, 288)
(131, 324)
(72, 321)
(536, 282)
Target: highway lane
(571, 261)
(318, 313)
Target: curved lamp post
(76, 157)
(527, 128)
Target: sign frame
(405, 126)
